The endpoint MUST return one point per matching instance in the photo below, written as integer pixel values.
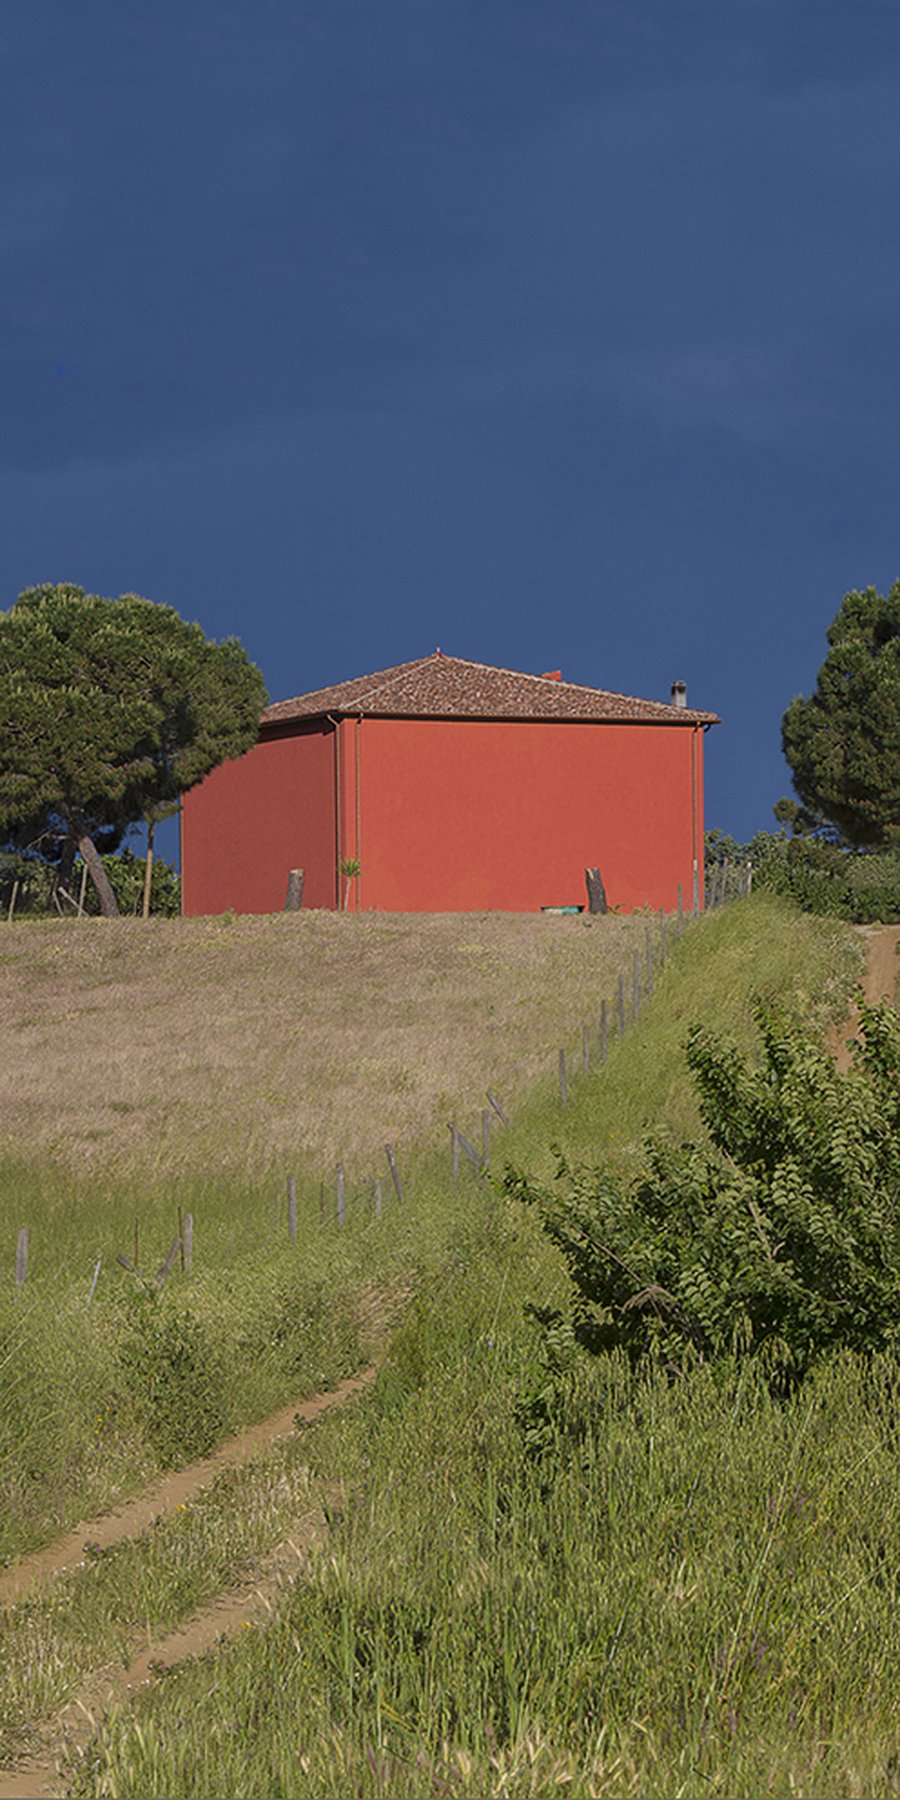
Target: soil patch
(879, 983)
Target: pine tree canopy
(110, 709)
(843, 743)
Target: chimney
(679, 693)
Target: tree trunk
(148, 869)
(98, 875)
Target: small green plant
(778, 1238)
(173, 1376)
(351, 869)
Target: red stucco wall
(253, 820)
(460, 815)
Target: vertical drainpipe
(357, 852)
(694, 821)
(337, 807)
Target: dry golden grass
(184, 1046)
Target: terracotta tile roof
(439, 686)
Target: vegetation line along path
(166, 1495)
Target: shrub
(173, 1376)
(821, 875)
(777, 1238)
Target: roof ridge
(393, 674)
(581, 687)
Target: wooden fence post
(292, 1208)
(94, 1284)
(395, 1172)
(22, 1257)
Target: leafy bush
(778, 1238)
(821, 875)
(36, 876)
(127, 872)
(173, 1376)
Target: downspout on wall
(357, 853)
(694, 845)
(335, 724)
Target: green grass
(694, 1590)
(678, 1597)
(84, 1418)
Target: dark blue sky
(557, 333)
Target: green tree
(109, 711)
(777, 1237)
(843, 743)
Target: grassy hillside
(661, 1605)
(170, 1047)
(94, 1400)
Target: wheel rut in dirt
(167, 1494)
(879, 983)
(36, 1776)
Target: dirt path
(879, 983)
(37, 1776)
(166, 1495)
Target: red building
(455, 787)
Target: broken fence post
(497, 1108)
(597, 902)
(461, 1142)
(294, 896)
(168, 1262)
(395, 1172)
(292, 1207)
(22, 1257)
(94, 1284)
